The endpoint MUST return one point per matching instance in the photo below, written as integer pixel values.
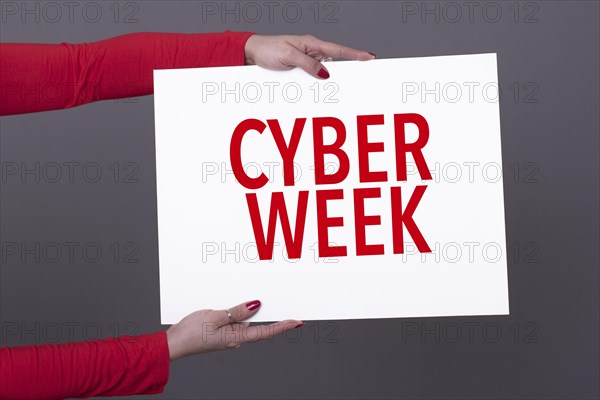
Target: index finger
(335, 50)
(255, 333)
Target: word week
(287, 151)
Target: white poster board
(374, 257)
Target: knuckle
(288, 53)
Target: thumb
(238, 313)
(308, 64)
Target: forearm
(109, 367)
(40, 77)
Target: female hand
(210, 330)
(286, 52)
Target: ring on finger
(229, 316)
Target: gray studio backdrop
(548, 70)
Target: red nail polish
(374, 55)
(299, 325)
(323, 73)
(253, 305)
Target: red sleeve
(109, 367)
(40, 77)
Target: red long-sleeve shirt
(40, 77)
(108, 367)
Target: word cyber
(399, 218)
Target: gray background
(546, 348)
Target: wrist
(249, 50)
(173, 344)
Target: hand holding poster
(374, 194)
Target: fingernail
(374, 55)
(253, 305)
(299, 325)
(323, 73)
